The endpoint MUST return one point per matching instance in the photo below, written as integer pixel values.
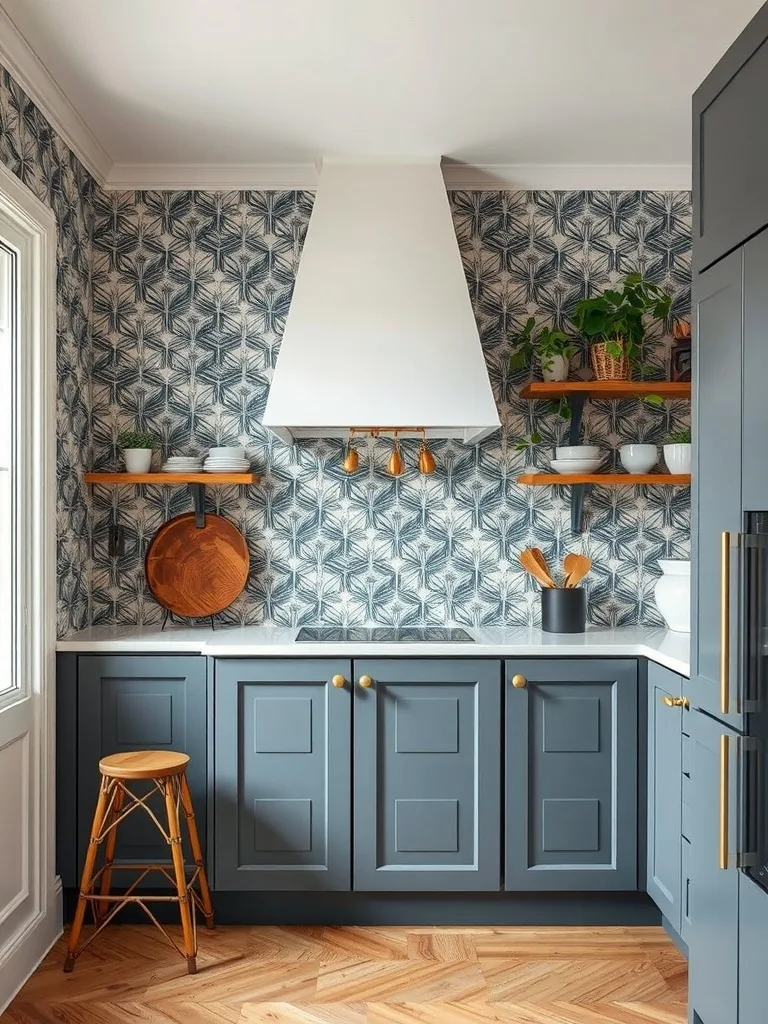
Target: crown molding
(485, 177)
(18, 58)
(210, 177)
(569, 177)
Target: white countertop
(660, 645)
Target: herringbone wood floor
(366, 976)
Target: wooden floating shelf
(607, 479)
(606, 389)
(169, 479)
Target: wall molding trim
(486, 177)
(18, 57)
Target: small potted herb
(614, 324)
(137, 448)
(677, 451)
(554, 350)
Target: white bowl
(578, 451)
(566, 466)
(236, 451)
(638, 458)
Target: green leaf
(654, 400)
(535, 437)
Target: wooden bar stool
(166, 770)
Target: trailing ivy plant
(546, 344)
(136, 439)
(617, 316)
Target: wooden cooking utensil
(538, 554)
(576, 568)
(195, 571)
(531, 565)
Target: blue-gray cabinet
(665, 792)
(714, 933)
(427, 762)
(571, 774)
(139, 702)
(282, 774)
(730, 147)
(753, 934)
(716, 493)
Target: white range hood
(380, 331)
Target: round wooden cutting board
(197, 572)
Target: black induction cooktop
(383, 634)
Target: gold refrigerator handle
(724, 755)
(725, 622)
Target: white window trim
(35, 224)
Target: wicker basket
(607, 367)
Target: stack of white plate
(183, 464)
(226, 460)
(577, 458)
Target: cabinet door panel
(140, 702)
(283, 785)
(753, 930)
(716, 494)
(571, 775)
(714, 901)
(754, 478)
(427, 763)
(731, 148)
(664, 793)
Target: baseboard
(31, 947)
(673, 933)
(450, 909)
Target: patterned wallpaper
(190, 294)
(33, 151)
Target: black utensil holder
(563, 610)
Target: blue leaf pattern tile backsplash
(191, 291)
(171, 306)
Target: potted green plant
(553, 348)
(137, 448)
(614, 324)
(677, 451)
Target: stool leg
(109, 846)
(86, 880)
(185, 900)
(197, 853)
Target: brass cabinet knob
(676, 702)
(519, 681)
(338, 681)
(365, 682)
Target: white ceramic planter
(673, 594)
(638, 458)
(557, 369)
(678, 458)
(137, 460)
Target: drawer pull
(519, 681)
(338, 681)
(676, 702)
(365, 682)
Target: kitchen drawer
(688, 748)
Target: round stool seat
(144, 764)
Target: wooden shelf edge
(171, 479)
(606, 389)
(606, 479)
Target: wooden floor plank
(354, 975)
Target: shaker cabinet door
(730, 147)
(714, 900)
(427, 742)
(665, 797)
(753, 929)
(571, 774)
(282, 774)
(140, 702)
(716, 494)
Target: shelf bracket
(576, 401)
(578, 494)
(197, 491)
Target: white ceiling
(512, 82)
